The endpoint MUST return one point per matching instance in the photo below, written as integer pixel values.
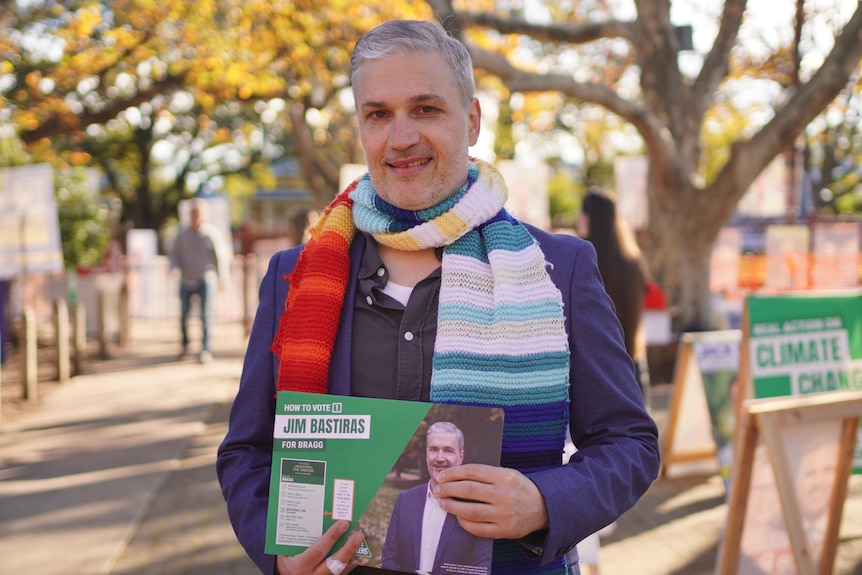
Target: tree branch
(716, 65)
(60, 123)
(518, 80)
(656, 136)
(318, 175)
(580, 33)
(557, 33)
(747, 159)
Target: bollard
(123, 336)
(61, 332)
(79, 336)
(103, 324)
(29, 383)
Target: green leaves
(85, 219)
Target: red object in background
(654, 297)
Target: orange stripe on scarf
(309, 324)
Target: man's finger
(316, 553)
(469, 471)
(348, 550)
(465, 491)
(323, 546)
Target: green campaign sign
(805, 344)
(801, 344)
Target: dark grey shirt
(392, 344)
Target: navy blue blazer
(403, 544)
(617, 440)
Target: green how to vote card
(368, 461)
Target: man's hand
(493, 502)
(312, 561)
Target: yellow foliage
(216, 50)
(88, 19)
(80, 158)
(32, 80)
(475, 5)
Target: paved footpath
(113, 474)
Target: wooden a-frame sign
(672, 451)
(689, 440)
(768, 420)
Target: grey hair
(447, 427)
(398, 36)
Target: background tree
(100, 82)
(85, 219)
(634, 68)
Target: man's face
(816, 478)
(764, 505)
(441, 452)
(415, 128)
(196, 217)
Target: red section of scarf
(307, 328)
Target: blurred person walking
(199, 252)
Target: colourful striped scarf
(501, 338)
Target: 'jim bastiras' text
(306, 426)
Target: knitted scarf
(501, 338)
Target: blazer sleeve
(245, 455)
(617, 440)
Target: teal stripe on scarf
(504, 312)
(467, 393)
(494, 362)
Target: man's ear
(474, 117)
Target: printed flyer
(369, 461)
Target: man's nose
(403, 133)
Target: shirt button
(408, 335)
(369, 300)
(381, 271)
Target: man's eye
(427, 109)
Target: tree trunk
(682, 272)
(679, 241)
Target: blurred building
(271, 208)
